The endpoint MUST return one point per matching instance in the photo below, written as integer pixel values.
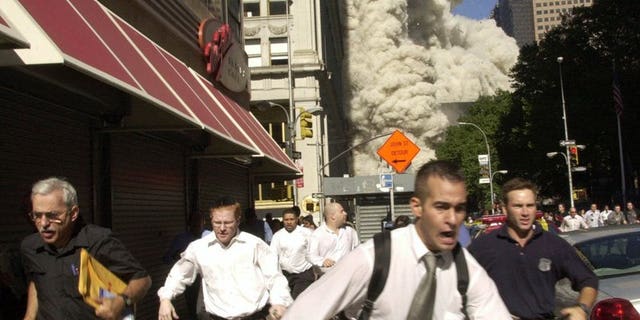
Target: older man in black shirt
(52, 257)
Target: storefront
(144, 138)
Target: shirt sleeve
(276, 282)
(112, 253)
(575, 269)
(342, 287)
(182, 274)
(268, 233)
(314, 252)
(484, 301)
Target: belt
(258, 315)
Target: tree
(590, 41)
(463, 144)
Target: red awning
(9, 37)
(95, 41)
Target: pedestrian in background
(605, 212)
(402, 221)
(332, 240)
(51, 258)
(255, 226)
(631, 214)
(439, 206)
(291, 244)
(573, 221)
(176, 247)
(593, 218)
(307, 222)
(518, 258)
(240, 274)
(617, 216)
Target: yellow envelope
(96, 281)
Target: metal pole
(486, 143)
(292, 108)
(566, 132)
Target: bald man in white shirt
(332, 240)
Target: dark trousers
(298, 282)
(258, 315)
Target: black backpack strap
(463, 276)
(382, 259)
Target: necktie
(425, 296)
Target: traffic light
(306, 125)
(573, 156)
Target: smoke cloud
(409, 63)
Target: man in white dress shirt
(291, 244)
(332, 240)
(240, 274)
(439, 205)
(573, 221)
(593, 217)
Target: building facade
(295, 57)
(529, 20)
(116, 97)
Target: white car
(613, 253)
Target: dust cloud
(409, 63)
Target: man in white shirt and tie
(332, 240)
(240, 274)
(291, 244)
(439, 205)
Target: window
(540, 27)
(252, 48)
(539, 12)
(538, 4)
(251, 8)
(279, 51)
(277, 7)
(539, 20)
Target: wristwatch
(127, 301)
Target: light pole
(566, 132)
(491, 182)
(486, 143)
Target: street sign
(386, 180)
(296, 155)
(317, 195)
(564, 143)
(578, 169)
(398, 151)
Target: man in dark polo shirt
(51, 258)
(526, 262)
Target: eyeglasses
(51, 216)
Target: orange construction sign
(398, 151)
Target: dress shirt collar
(326, 229)
(240, 237)
(504, 233)
(420, 249)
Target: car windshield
(612, 255)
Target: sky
(475, 9)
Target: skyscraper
(529, 20)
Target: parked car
(613, 253)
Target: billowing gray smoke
(408, 61)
